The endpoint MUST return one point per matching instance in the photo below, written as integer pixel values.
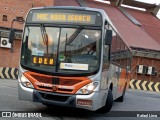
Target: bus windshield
(61, 50)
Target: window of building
(4, 18)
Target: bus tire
(121, 98)
(108, 104)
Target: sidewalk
(7, 79)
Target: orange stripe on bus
(75, 82)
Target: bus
(72, 57)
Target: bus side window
(128, 58)
(105, 53)
(123, 56)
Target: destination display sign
(42, 60)
(65, 17)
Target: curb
(144, 85)
(8, 73)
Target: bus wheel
(108, 104)
(121, 98)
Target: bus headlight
(87, 89)
(25, 82)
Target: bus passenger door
(106, 59)
(105, 69)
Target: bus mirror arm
(108, 37)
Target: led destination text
(64, 17)
(42, 60)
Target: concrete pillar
(154, 10)
(116, 2)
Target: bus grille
(54, 97)
(57, 84)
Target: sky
(150, 1)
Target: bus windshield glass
(71, 50)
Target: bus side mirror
(108, 37)
(11, 35)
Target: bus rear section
(66, 59)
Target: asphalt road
(137, 103)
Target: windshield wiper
(66, 43)
(44, 37)
(74, 35)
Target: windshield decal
(37, 52)
(73, 66)
(61, 57)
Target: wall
(8, 59)
(18, 8)
(13, 9)
(148, 62)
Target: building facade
(10, 11)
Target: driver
(90, 38)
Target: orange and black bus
(72, 56)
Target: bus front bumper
(90, 102)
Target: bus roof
(70, 8)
